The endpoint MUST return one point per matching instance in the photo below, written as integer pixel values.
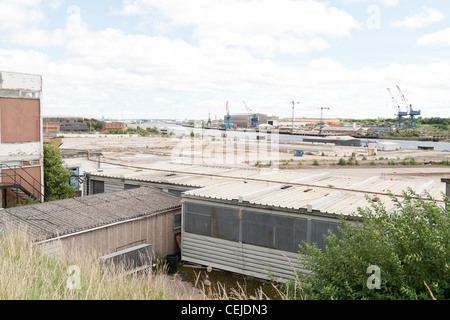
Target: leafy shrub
(410, 246)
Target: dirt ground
(141, 151)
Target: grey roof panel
(46, 220)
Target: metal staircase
(24, 189)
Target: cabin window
(98, 186)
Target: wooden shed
(102, 224)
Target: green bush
(56, 177)
(410, 246)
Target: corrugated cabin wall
(119, 184)
(238, 256)
(113, 185)
(156, 230)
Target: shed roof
(191, 176)
(335, 193)
(58, 218)
(332, 195)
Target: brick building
(113, 126)
(21, 142)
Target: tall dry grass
(26, 273)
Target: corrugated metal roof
(47, 220)
(295, 189)
(328, 194)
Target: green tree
(98, 125)
(56, 177)
(410, 246)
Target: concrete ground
(137, 150)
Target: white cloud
(257, 25)
(437, 38)
(20, 15)
(387, 3)
(422, 19)
(54, 4)
(112, 72)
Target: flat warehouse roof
(334, 192)
(336, 195)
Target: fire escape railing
(16, 180)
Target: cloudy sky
(182, 59)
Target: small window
(130, 186)
(258, 229)
(98, 186)
(175, 192)
(319, 229)
(11, 164)
(176, 221)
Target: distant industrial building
(273, 120)
(62, 124)
(51, 126)
(21, 138)
(341, 131)
(73, 126)
(244, 120)
(302, 122)
(346, 141)
(113, 126)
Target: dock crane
(254, 119)
(399, 124)
(412, 113)
(228, 120)
(209, 124)
(321, 117)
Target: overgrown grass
(26, 273)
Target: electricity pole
(293, 105)
(321, 117)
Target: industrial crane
(412, 113)
(254, 119)
(228, 121)
(400, 124)
(321, 117)
(209, 124)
